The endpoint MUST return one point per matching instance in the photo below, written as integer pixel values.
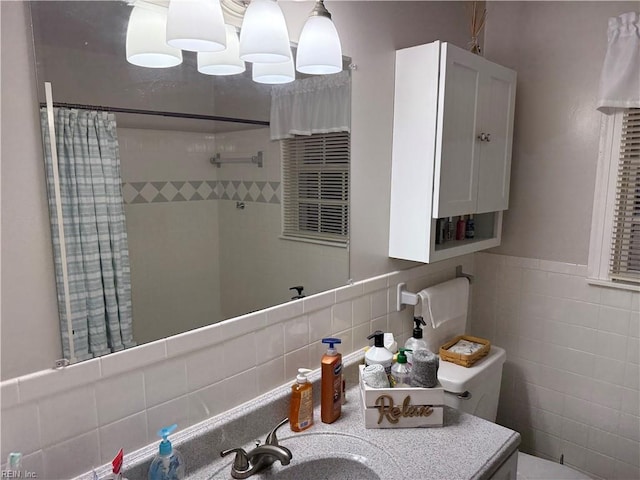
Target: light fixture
(319, 49)
(273, 73)
(146, 44)
(196, 25)
(157, 33)
(264, 37)
(226, 62)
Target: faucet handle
(241, 462)
(272, 439)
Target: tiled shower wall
(195, 257)
(67, 421)
(173, 237)
(570, 384)
(257, 266)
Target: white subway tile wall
(570, 384)
(65, 422)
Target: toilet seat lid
(458, 379)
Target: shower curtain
(95, 236)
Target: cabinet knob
(484, 137)
(488, 137)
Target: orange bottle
(301, 406)
(331, 383)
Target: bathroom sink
(326, 469)
(324, 456)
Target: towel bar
(404, 297)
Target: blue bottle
(168, 464)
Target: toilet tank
(475, 389)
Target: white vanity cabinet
(452, 136)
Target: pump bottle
(378, 354)
(331, 383)
(415, 342)
(168, 463)
(401, 371)
(301, 407)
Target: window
(315, 173)
(615, 234)
(625, 248)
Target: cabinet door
(496, 120)
(457, 150)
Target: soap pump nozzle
(417, 331)
(331, 341)
(378, 337)
(402, 358)
(165, 444)
(302, 375)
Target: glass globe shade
(146, 44)
(264, 37)
(319, 50)
(226, 62)
(273, 73)
(196, 25)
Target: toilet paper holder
(405, 297)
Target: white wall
(557, 48)
(30, 331)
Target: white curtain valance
(620, 79)
(314, 105)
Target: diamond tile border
(198, 190)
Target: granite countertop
(466, 447)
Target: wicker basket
(461, 358)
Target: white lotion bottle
(378, 354)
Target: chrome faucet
(246, 464)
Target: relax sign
(394, 413)
(388, 414)
(401, 407)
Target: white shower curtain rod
(158, 113)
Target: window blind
(316, 186)
(625, 256)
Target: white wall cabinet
(452, 136)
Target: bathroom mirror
(197, 257)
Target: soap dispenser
(378, 354)
(401, 371)
(301, 407)
(331, 383)
(415, 342)
(168, 463)
(14, 463)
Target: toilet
(476, 390)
